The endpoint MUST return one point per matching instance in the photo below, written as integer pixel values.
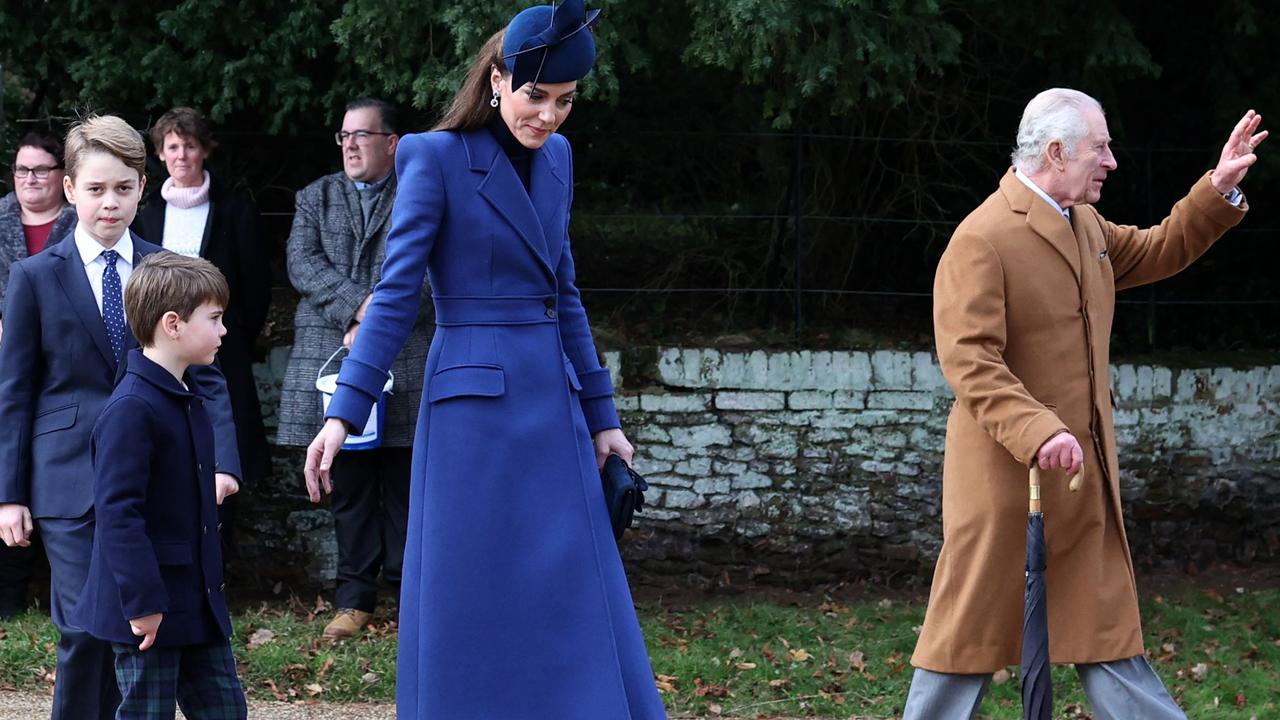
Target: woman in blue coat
(514, 603)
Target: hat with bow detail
(550, 43)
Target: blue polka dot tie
(112, 304)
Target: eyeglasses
(40, 171)
(360, 136)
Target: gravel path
(35, 706)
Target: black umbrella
(1037, 686)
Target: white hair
(1055, 114)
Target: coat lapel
(75, 284)
(549, 202)
(381, 209)
(355, 216)
(1043, 220)
(502, 188)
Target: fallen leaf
(715, 709)
(858, 661)
(1199, 670)
(1000, 676)
(260, 637)
(328, 663)
(369, 678)
(313, 689)
(667, 683)
(779, 682)
(735, 653)
(799, 655)
(745, 665)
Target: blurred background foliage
(748, 171)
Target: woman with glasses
(514, 602)
(195, 214)
(36, 214)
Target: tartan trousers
(200, 678)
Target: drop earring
(494, 101)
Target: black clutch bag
(623, 493)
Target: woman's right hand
(320, 455)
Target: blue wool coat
(155, 545)
(514, 602)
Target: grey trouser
(1117, 690)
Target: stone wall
(804, 467)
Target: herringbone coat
(1023, 306)
(334, 262)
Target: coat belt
(494, 310)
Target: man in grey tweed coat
(334, 259)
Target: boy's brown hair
(166, 281)
(186, 123)
(108, 134)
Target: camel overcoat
(1023, 306)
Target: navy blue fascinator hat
(550, 43)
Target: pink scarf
(187, 197)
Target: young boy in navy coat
(66, 340)
(156, 569)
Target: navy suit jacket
(56, 373)
(155, 544)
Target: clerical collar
(376, 184)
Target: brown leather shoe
(347, 623)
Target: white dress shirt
(95, 265)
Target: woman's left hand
(612, 441)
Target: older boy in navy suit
(64, 343)
(156, 572)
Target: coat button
(200, 467)
(204, 529)
(551, 313)
(222, 587)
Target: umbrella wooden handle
(1034, 481)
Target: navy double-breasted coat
(155, 545)
(514, 602)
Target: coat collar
(150, 371)
(1044, 220)
(537, 216)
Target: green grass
(1219, 655)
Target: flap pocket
(467, 380)
(56, 419)
(172, 553)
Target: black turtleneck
(520, 156)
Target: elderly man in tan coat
(1023, 304)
